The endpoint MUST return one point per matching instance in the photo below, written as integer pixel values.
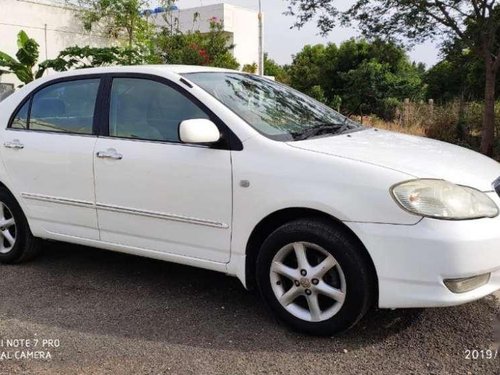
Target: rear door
(48, 153)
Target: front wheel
(314, 277)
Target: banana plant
(27, 56)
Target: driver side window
(149, 110)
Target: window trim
(229, 140)
(29, 97)
(16, 112)
(100, 126)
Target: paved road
(119, 314)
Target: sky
(281, 42)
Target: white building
(55, 27)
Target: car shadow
(94, 291)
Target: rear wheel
(17, 244)
(314, 277)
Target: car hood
(415, 156)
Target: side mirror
(198, 131)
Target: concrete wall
(244, 25)
(53, 25)
(5, 90)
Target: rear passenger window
(64, 107)
(21, 119)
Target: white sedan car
(238, 174)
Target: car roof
(153, 69)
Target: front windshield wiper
(325, 128)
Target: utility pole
(261, 41)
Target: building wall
(53, 25)
(244, 25)
(185, 17)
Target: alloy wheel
(7, 229)
(308, 281)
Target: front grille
(496, 185)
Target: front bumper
(412, 261)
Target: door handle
(109, 154)
(16, 144)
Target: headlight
(443, 200)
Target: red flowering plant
(212, 48)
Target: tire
(326, 299)
(13, 222)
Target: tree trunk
(461, 125)
(488, 131)
(130, 39)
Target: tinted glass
(150, 110)
(273, 109)
(65, 107)
(21, 119)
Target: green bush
(389, 108)
(369, 77)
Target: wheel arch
(19, 202)
(6, 187)
(278, 218)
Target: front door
(153, 192)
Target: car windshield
(275, 110)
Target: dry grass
(373, 121)
(458, 123)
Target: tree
(27, 56)
(458, 75)
(307, 70)
(87, 57)
(113, 18)
(373, 88)
(117, 19)
(476, 23)
(273, 69)
(172, 46)
(250, 68)
(358, 76)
